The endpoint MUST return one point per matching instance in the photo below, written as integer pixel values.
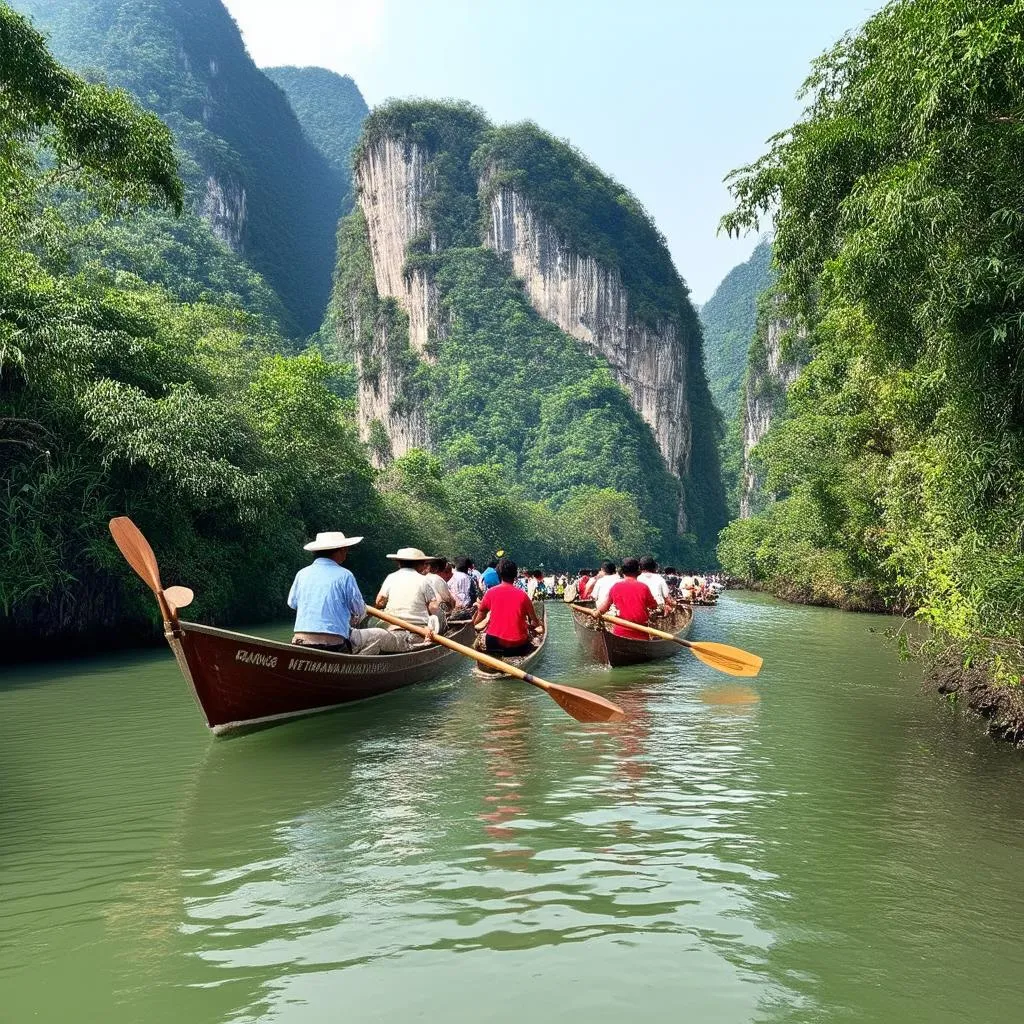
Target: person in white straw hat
(408, 593)
(327, 601)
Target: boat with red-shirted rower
(610, 649)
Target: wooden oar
(139, 555)
(581, 704)
(733, 660)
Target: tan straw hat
(410, 555)
(331, 541)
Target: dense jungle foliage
(729, 319)
(331, 110)
(899, 463)
(246, 163)
(504, 386)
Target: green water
(844, 849)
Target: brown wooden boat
(604, 646)
(521, 660)
(240, 681)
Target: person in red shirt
(512, 614)
(633, 600)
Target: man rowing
(512, 616)
(632, 599)
(326, 600)
(407, 593)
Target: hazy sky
(666, 95)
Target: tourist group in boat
(429, 610)
(430, 591)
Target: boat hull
(604, 646)
(240, 681)
(523, 661)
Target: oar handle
(469, 652)
(634, 625)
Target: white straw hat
(410, 555)
(331, 541)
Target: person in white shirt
(407, 593)
(603, 582)
(656, 583)
(435, 569)
(687, 586)
(460, 584)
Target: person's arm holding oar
(733, 660)
(582, 705)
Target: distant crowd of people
(668, 584)
(428, 592)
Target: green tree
(900, 248)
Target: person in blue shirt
(327, 601)
(491, 577)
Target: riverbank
(1000, 703)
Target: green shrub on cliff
(900, 247)
(234, 128)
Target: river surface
(831, 844)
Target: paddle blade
(733, 660)
(584, 706)
(137, 552)
(179, 597)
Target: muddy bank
(974, 688)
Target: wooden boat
(604, 646)
(240, 681)
(521, 660)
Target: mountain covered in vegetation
(507, 304)
(331, 110)
(729, 318)
(250, 171)
(897, 466)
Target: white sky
(666, 96)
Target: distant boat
(605, 646)
(519, 661)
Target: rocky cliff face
(574, 292)
(590, 302)
(393, 183)
(507, 304)
(224, 206)
(769, 375)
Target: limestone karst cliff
(773, 366)
(438, 189)
(590, 302)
